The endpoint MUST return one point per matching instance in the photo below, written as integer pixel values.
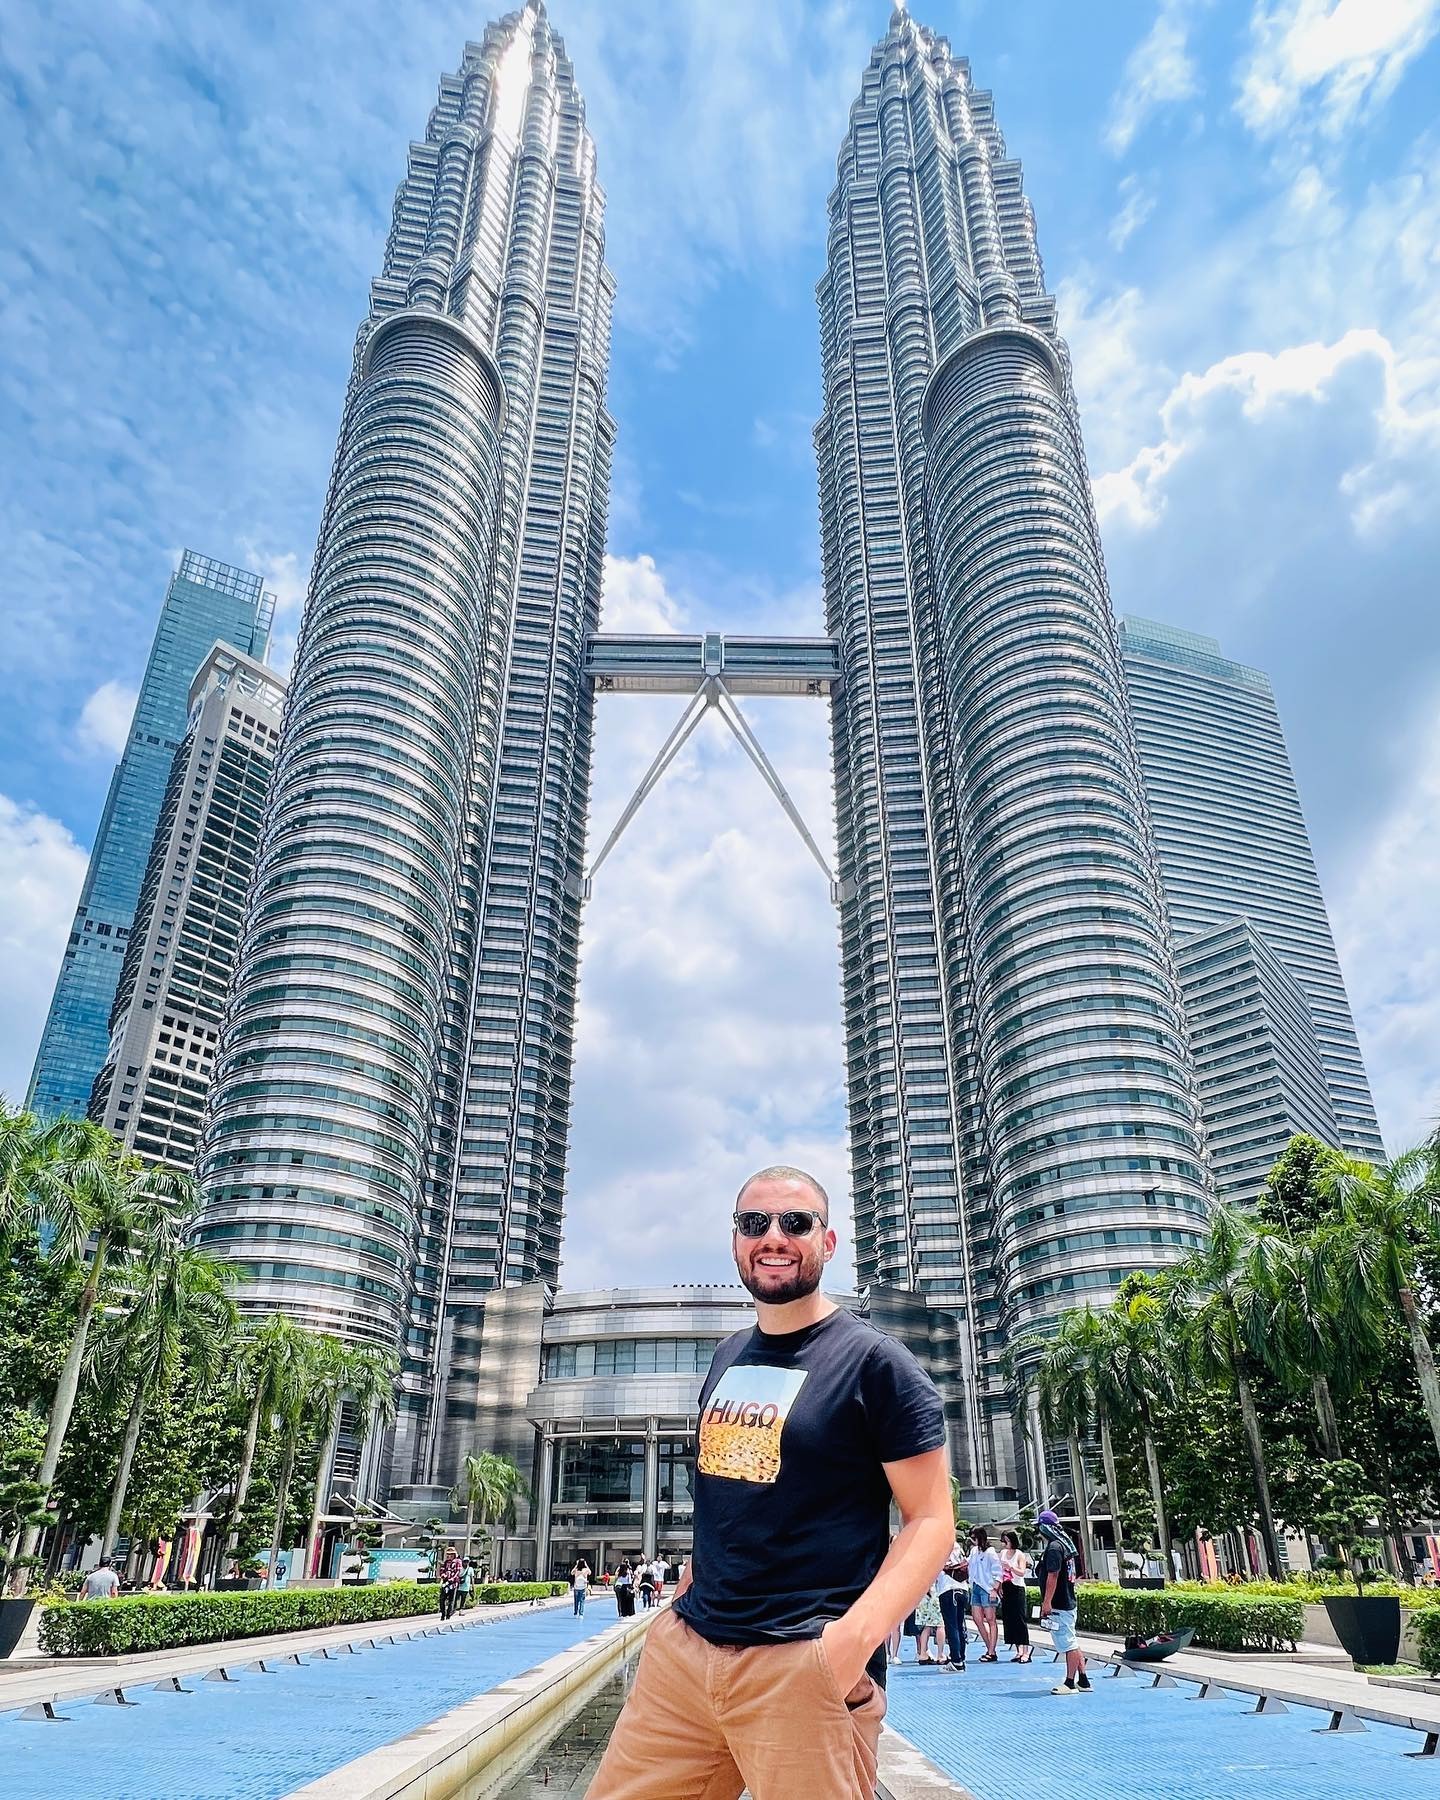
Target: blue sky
(1239, 208)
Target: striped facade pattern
(1024, 1126)
(392, 1094)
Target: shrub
(166, 1621)
(1222, 1619)
(1427, 1638)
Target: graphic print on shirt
(744, 1419)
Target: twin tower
(387, 1134)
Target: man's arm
(684, 1581)
(921, 1486)
(1049, 1593)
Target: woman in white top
(985, 1575)
(1014, 1596)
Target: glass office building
(1231, 835)
(175, 978)
(206, 601)
(386, 1141)
(1024, 1125)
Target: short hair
(785, 1172)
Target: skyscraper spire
(1023, 1122)
(386, 1139)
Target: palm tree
(1074, 1391)
(179, 1318)
(1224, 1303)
(490, 1485)
(1387, 1216)
(301, 1380)
(367, 1376)
(264, 1373)
(1142, 1371)
(93, 1202)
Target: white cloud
(1385, 924)
(41, 870)
(104, 727)
(1137, 205)
(709, 1039)
(1345, 55)
(1381, 484)
(1158, 72)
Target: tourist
(647, 1585)
(450, 1576)
(1057, 1602)
(954, 1591)
(579, 1585)
(984, 1590)
(659, 1571)
(1014, 1596)
(625, 1589)
(102, 1583)
(929, 1620)
(467, 1584)
(767, 1672)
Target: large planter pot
(14, 1617)
(1368, 1626)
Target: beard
(777, 1289)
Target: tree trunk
(286, 1470)
(469, 1522)
(1255, 1444)
(1082, 1504)
(122, 1475)
(1157, 1496)
(1325, 1412)
(63, 1404)
(242, 1480)
(1424, 1360)
(322, 1475)
(1112, 1489)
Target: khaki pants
(705, 1721)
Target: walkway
(263, 1735)
(998, 1732)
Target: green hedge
(1222, 1621)
(1426, 1630)
(167, 1621)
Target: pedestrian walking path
(999, 1733)
(263, 1733)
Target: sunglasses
(794, 1223)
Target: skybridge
(713, 669)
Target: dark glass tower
(388, 1123)
(206, 601)
(1024, 1128)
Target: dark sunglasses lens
(793, 1224)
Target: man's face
(777, 1268)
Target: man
(767, 1672)
(952, 1604)
(102, 1583)
(1057, 1602)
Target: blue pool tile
(998, 1731)
(267, 1734)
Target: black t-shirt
(1056, 1561)
(792, 1508)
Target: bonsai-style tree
(1345, 1517)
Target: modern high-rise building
(388, 1122)
(206, 601)
(1231, 835)
(175, 977)
(1257, 1059)
(1024, 1125)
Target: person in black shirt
(768, 1671)
(1058, 1604)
